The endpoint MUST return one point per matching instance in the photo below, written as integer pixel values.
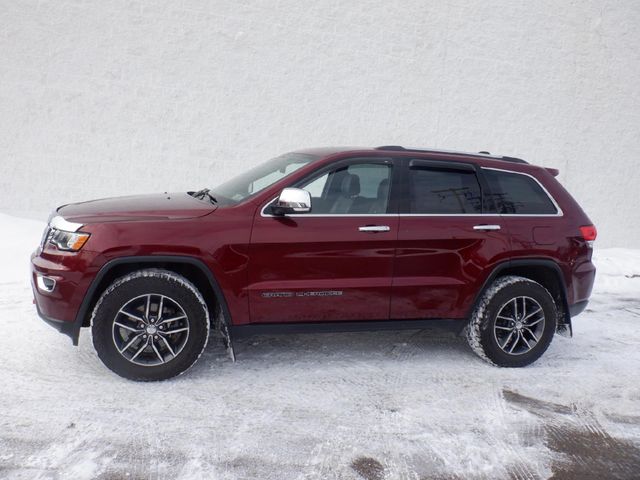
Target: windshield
(258, 178)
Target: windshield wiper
(200, 194)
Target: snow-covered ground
(397, 405)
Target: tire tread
(166, 275)
(479, 321)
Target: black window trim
(484, 187)
(410, 163)
(441, 165)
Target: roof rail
(391, 147)
(513, 159)
(399, 148)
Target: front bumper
(67, 277)
(68, 328)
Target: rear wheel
(514, 322)
(150, 325)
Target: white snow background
(396, 405)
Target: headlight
(67, 241)
(64, 235)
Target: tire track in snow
(519, 466)
(427, 342)
(584, 449)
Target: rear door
(447, 241)
(334, 263)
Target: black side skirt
(244, 331)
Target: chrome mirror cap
(292, 200)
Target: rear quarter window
(518, 194)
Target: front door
(334, 263)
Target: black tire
(174, 353)
(487, 331)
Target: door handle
(374, 228)
(486, 227)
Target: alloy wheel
(519, 325)
(150, 330)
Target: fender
(564, 326)
(74, 329)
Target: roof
(324, 151)
(398, 148)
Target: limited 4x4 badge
(320, 293)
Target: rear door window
(514, 193)
(443, 191)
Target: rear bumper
(578, 308)
(582, 280)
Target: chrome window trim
(316, 215)
(451, 215)
(59, 223)
(559, 212)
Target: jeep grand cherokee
(331, 239)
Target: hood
(167, 206)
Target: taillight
(589, 233)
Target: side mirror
(292, 200)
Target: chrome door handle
(374, 228)
(486, 227)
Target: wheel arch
(544, 271)
(194, 269)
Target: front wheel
(514, 322)
(150, 325)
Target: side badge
(320, 293)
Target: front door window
(358, 188)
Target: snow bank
(618, 270)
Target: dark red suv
(333, 239)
